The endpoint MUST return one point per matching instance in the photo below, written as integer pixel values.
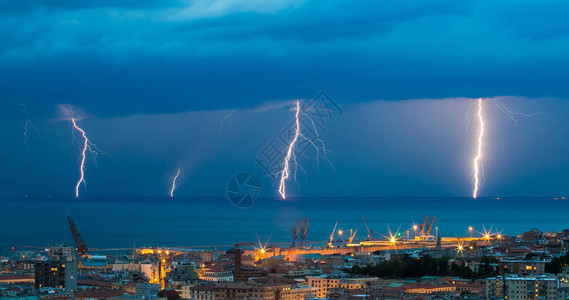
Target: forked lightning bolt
(478, 158)
(285, 173)
(290, 154)
(512, 114)
(174, 183)
(87, 146)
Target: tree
(169, 294)
(425, 266)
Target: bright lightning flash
(285, 173)
(290, 154)
(477, 164)
(477, 159)
(174, 183)
(87, 146)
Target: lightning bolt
(512, 114)
(87, 146)
(27, 126)
(174, 183)
(477, 163)
(223, 119)
(318, 139)
(290, 154)
(285, 173)
(477, 159)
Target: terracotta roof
(203, 288)
(98, 293)
(92, 282)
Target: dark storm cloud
(147, 57)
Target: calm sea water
(119, 222)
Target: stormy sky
(151, 81)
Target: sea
(203, 223)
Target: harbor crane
(352, 236)
(295, 231)
(332, 236)
(304, 230)
(425, 229)
(369, 232)
(80, 243)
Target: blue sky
(153, 79)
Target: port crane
(330, 245)
(304, 230)
(295, 231)
(301, 229)
(352, 236)
(80, 243)
(425, 229)
(369, 231)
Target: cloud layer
(421, 147)
(148, 57)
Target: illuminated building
(62, 253)
(201, 292)
(217, 274)
(524, 267)
(142, 267)
(323, 283)
(523, 287)
(56, 274)
(59, 270)
(147, 290)
(241, 274)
